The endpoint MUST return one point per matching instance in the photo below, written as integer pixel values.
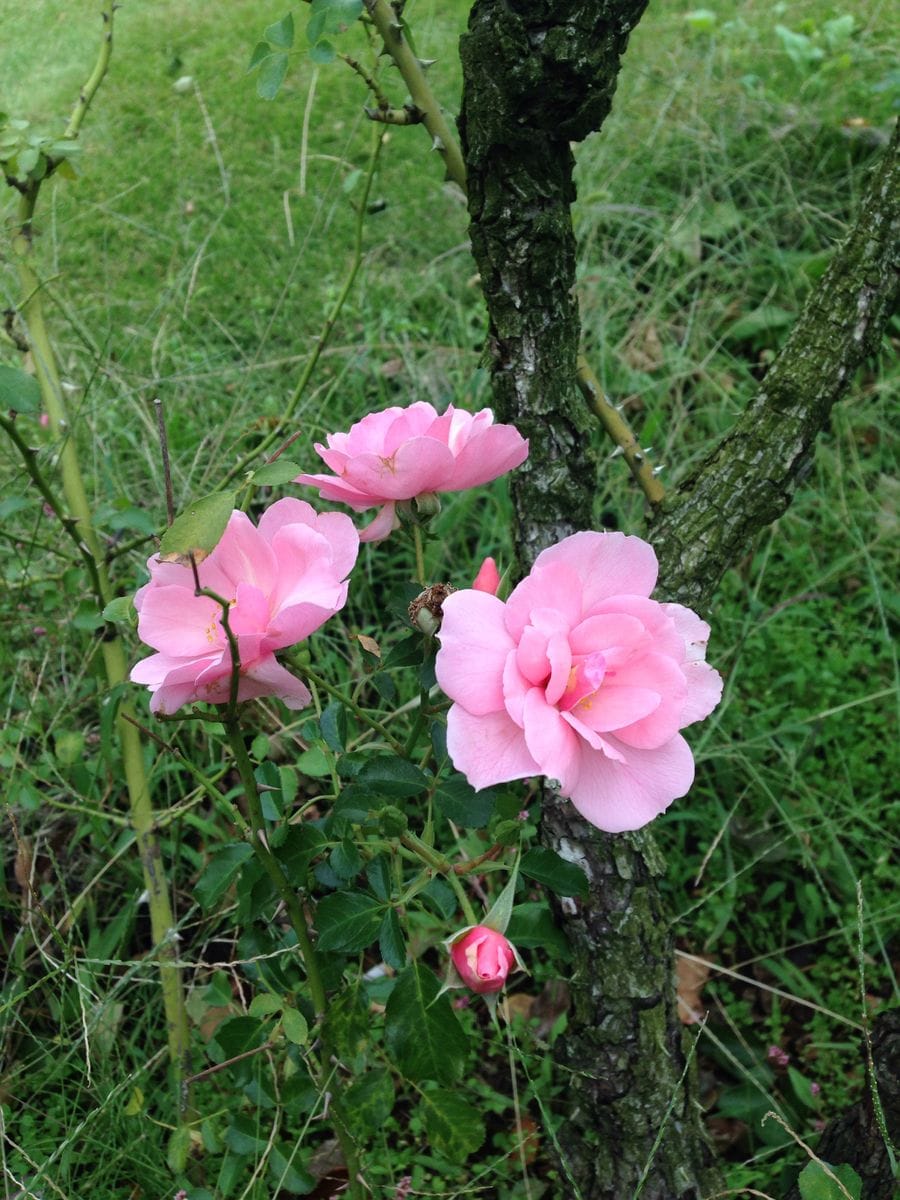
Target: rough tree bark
(537, 75)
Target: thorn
(437, 144)
(425, 63)
(648, 450)
(639, 459)
(618, 450)
(620, 408)
(659, 470)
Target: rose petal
(608, 564)
(489, 749)
(620, 796)
(474, 647)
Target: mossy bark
(537, 76)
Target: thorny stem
(330, 321)
(288, 897)
(80, 526)
(427, 109)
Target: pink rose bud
(488, 578)
(483, 959)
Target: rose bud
(483, 959)
(488, 578)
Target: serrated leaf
(422, 1034)
(177, 1149)
(378, 873)
(348, 1026)
(222, 869)
(197, 530)
(264, 1004)
(453, 1124)
(282, 470)
(564, 878)
(19, 392)
(272, 71)
(461, 804)
(369, 1102)
(391, 942)
(333, 724)
(348, 922)
(281, 33)
(397, 778)
(294, 1025)
(816, 1184)
(532, 925)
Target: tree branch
(750, 477)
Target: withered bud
(425, 611)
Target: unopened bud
(426, 612)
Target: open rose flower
(581, 678)
(483, 958)
(282, 580)
(404, 453)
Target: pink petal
(704, 691)
(658, 624)
(608, 564)
(560, 659)
(660, 674)
(298, 621)
(250, 612)
(489, 749)
(555, 587)
(612, 707)
(691, 628)
(592, 738)
(175, 621)
(487, 456)
(488, 578)
(383, 525)
(615, 635)
(550, 740)
(419, 465)
(474, 647)
(620, 796)
(244, 555)
(418, 420)
(288, 511)
(515, 688)
(269, 678)
(332, 488)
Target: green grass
(707, 208)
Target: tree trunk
(537, 76)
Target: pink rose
(483, 958)
(283, 580)
(579, 677)
(402, 453)
(488, 578)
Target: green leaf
(453, 1124)
(348, 922)
(564, 878)
(816, 1184)
(378, 873)
(370, 1101)
(532, 925)
(69, 746)
(701, 20)
(18, 391)
(294, 1025)
(461, 804)
(348, 1024)
(387, 775)
(286, 1172)
(261, 51)
(120, 611)
(331, 16)
(265, 1004)
(299, 848)
(761, 320)
(421, 1031)
(345, 860)
(322, 53)
(333, 724)
(220, 872)
(391, 941)
(198, 529)
(281, 33)
(441, 897)
(245, 1135)
(271, 75)
(234, 1036)
(280, 471)
(177, 1150)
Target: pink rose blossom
(579, 677)
(488, 578)
(283, 580)
(403, 453)
(483, 958)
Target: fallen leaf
(692, 974)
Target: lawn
(197, 258)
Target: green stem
(359, 713)
(437, 862)
(330, 321)
(288, 897)
(386, 22)
(420, 555)
(79, 525)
